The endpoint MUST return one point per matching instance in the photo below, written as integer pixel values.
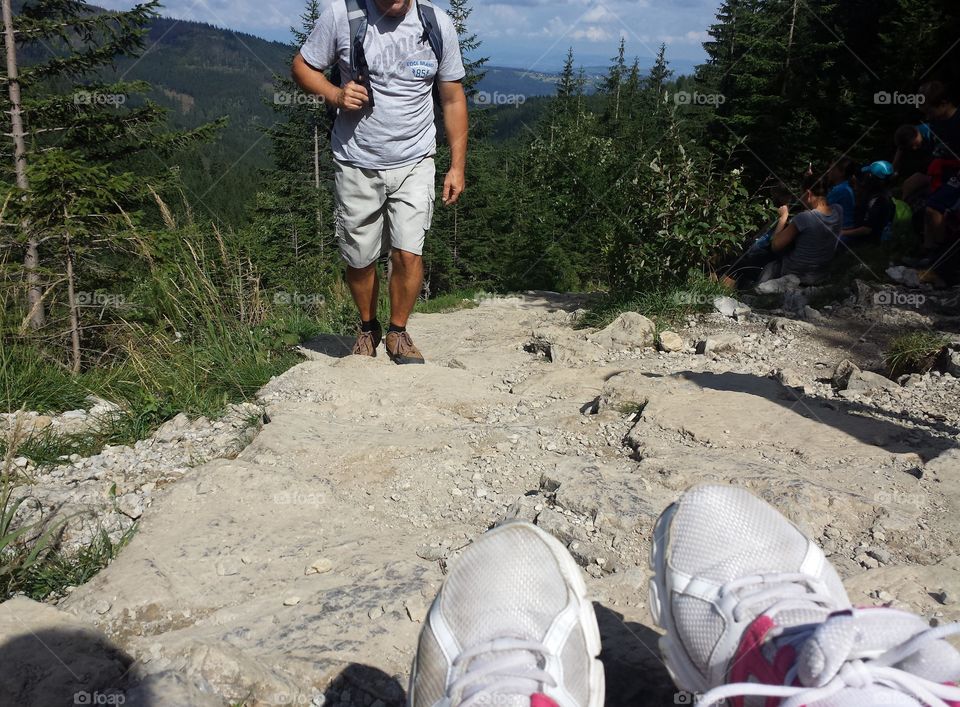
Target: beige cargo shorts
(377, 210)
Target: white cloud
(519, 28)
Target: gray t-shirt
(399, 130)
(816, 242)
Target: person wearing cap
(875, 216)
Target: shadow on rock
(363, 686)
(890, 434)
(330, 345)
(635, 673)
(63, 666)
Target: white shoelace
(803, 592)
(772, 593)
(510, 674)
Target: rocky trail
(299, 572)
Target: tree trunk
(316, 182)
(31, 260)
(456, 234)
(793, 29)
(74, 308)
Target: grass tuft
(666, 307)
(916, 352)
(57, 570)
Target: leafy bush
(677, 211)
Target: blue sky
(528, 34)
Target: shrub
(677, 211)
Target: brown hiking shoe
(401, 350)
(367, 343)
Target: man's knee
(406, 259)
(365, 271)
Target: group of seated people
(852, 205)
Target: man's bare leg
(405, 283)
(365, 288)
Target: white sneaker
(752, 607)
(511, 627)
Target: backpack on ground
(903, 230)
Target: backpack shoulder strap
(431, 27)
(357, 16)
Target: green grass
(916, 352)
(29, 379)
(631, 408)
(452, 302)
(200, 334)
(46, 447)
(57, 570)
(665, 307)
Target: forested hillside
(200, 73)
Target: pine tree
(74, 146)
(293, 226)
(460, 12)
(567, 85)
(660, 74)
(612, 85)
(776, 73)
(459, 249)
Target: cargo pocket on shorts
(431, 199)
(339, 227)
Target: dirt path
(299, 573)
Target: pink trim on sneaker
(751, 665)
(952, 684)
(539, 700)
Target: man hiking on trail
(390, 54)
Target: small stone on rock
(320, 566)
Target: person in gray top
(392, 55)
(803, 246)
(807, 244)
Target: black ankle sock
(372, 325)
(395, 328)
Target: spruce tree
(293, 228)
(660, 74)
(460, 245)
(776, 74)
(74, 146)
(460, 12)
(612, 85)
